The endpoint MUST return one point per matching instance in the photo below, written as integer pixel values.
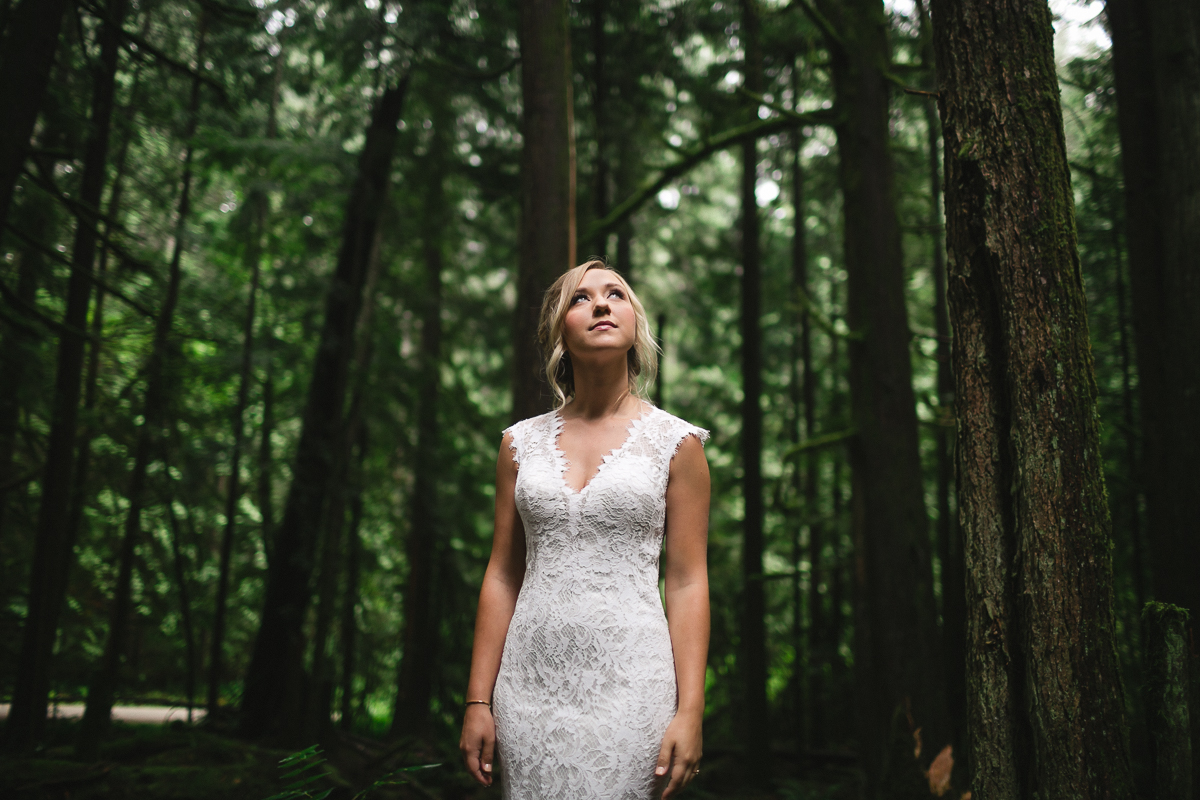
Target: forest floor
(180, 762)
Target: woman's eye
(578, 297)
(617, 293)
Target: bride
(581, 686)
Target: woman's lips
(603, 326)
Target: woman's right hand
(478, 742)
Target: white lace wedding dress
(587, 681)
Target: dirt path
(147, 715)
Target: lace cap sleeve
(516, 445)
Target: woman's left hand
(680, 753)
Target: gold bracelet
(478, 703)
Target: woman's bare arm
(497, 599)
(687, 609)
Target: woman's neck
(601, 390)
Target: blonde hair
(642, 357)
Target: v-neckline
(563, 462)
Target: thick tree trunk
(103, 686)
(253, 256)
(547, 231)
(52, 550)
(414, 685)
(1156, 59)
(898, 656)
(1045, 709)
(753, 661)
(26, 58)
(272, 686)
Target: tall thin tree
(272, 693)
(103, 686)
(52, 552)
(897, 656)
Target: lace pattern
(586, 686)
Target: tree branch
(696, 156)
(819, 442)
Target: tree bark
(414, 685)
(1167, 689)
(1156, 60)
(753, 634)
(898, 656)
(103, 686)
(270, 699)
(1045, 709)
(26, 58)
(547, 228)
(52, 550)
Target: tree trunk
(269, 700)
(1045, 709)
(1167, 701)
(266, 455)
(547, 229)
(898, 656)
(753, 656)
(600, 175)
(185, 609)
(103, 686)
(949, 533)
(26, 58)
(1156, 60)
(335, 523)
(52, 550)
(414, 686)
(17, 351)
(350, 598)
(804, 399)
(258, 210)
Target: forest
(269, 281)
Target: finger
(664, 759)
(489, 750)
(677, 775)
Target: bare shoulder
(689, 462)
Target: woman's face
(600, 317)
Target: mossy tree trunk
(547, 230)
(898, 656)
(1045, 710)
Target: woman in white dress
(581, 686)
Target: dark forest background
(268, 271)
